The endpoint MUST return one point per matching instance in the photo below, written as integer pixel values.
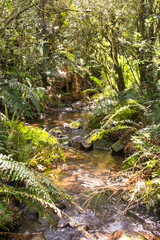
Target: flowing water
(81, 175)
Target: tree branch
(57, 12)
(17, 15)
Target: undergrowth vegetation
(134, 120)
(54, 50)
(21, 98)
(22, 149)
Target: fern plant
(29, 144)
(20, 98)
(144, 160)
(35, 189)
(6, 216)
(121, 117)
(22, 148)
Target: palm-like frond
(120, 118)
(36, 189)
(20, 98)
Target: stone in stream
(126, 235)
(75, 125)
(38, 238)
(30, 212)
(84, 145)
(55, 131)
(64, 140)
(117, 148)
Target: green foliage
(35, 189)
(30, 144)
(127, 110)
(20, 98)
(6, 216)
(136, 123)
(144, 159)
(23, 147)
(105, 102)
(121, 117)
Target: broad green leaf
(65, 23)
(63, 13)
(9, 6)
(70, 3)
(98, 81)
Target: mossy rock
(64, 140)
(117, 148)
(75, 125)
(56, 131)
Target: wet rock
(117, 148)
(55, 131)
(76, 139)
(45, 221)
(101, 144)
(66, 125)
(82, 238)
(85, 227)
(64, 140)
(37, 238)
(63, 223)
(126, 235)
(30, 212)
(84, 145)
(63, 234)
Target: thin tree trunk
(120, 80)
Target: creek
(81, 175)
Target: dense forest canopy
(114, 41)
(67, 50)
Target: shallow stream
(81, 175)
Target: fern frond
(15, 171)
(32, 199)
(6, 216)
(126, 110)
(20, 97)
(100, 133)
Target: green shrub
(22, 148)
(144, 160)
